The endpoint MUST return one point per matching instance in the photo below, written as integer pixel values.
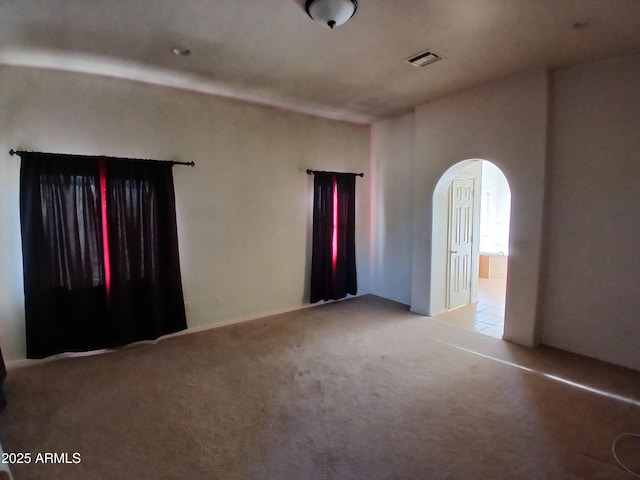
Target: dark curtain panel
(333, 278)
(65, 296)
(3, 375)
(346, 280)
(67, 303)
(146, 287)
(321, 254)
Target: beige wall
(243, 211)
(592, 281)
(504, 122)
(568, 145)
(391, 199)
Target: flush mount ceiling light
(181, 51)
(331, 12)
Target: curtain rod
(311, 172)
(13, 152)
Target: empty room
(321, 239)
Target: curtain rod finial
(12, 152)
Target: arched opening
(470, 246)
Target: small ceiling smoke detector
(181, 51)
(423, 59)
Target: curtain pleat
(346, 278)
(146, 287)
(321, 256)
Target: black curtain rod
(13, 152)
(311, 172)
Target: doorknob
(453, 252)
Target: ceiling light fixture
(331, 12)
(181, 51)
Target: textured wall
(391, 195)
(592, 282)
(574, 275)
(504, 122)
(243, 212)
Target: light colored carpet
(358, 389)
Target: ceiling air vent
(423, 59)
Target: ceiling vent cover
(423, 59)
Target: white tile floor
(487, 315)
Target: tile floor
(487, 315)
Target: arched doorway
(470, 246)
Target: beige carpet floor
(358, 389)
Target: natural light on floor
(486, 316)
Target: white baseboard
(10, 364)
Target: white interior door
(460, 242)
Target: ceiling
(271, 52)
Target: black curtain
(3, 375)
(346, 280)
(65, 296)
(333, 274)
(68, 307)
(146, 288)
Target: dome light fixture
(331, 12)
(181, 51)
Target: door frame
(439, 233)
